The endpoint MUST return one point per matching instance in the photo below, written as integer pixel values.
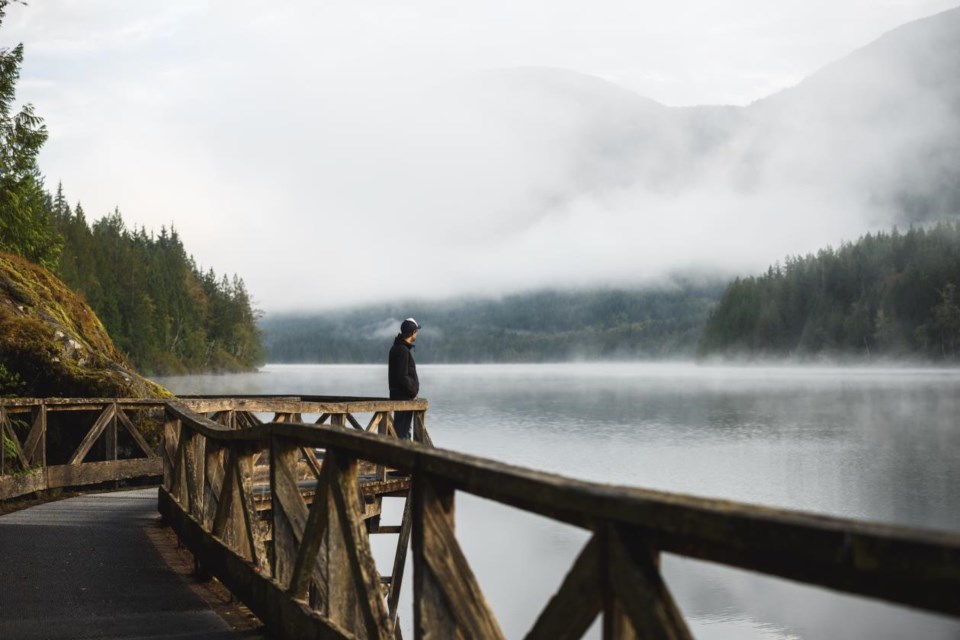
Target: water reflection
(874, 444)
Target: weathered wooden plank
(98, 427)
(576, 604)
(77, 404)
(225, 501)
(311, 457)
(235, 532)
(14, 486)
(313, 537)
(394, 486)
(213, 481)
(245, 420)
(432, 617)
(639, 587)
(392, 529)
(391, 431)
(171, 438)
(616, 623)
(210, 429)
(281, 404)
(342, 603)
(379, 422)
(178, 485)
(420, 428)
(193, 472)
(365, 406)
(255, 536)
(375, 422)
(366, 580)
(290, 512)
(265, 404)
(110, 437)
(138, 438)
(37, 435)
(400, 556)
(77, 475)
(354, 422)
(464, 600)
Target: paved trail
(86, 568)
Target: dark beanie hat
(408, 326)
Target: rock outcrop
(53, 345)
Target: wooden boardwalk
(86, 567)
(278, 497)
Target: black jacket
(402, 371)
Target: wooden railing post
(288, 507)
(110, 437)
(193, 470)
(637, 603)
(213, 475)
(34, 447)
(248, 519)
(356, 599)
(400, 557)
(420, 428)
(383, 432)
(448, 600)
(4, 424)
(170, 444)
(43, 439)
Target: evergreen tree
(889, 294)
(164, 312)
(26, 227)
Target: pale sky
(322, 150)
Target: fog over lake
(871, 444)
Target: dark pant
(401, 424)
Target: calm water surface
(873, 444)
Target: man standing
(402, 375)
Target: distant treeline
(545, 326)
(888, 294)
(160, 308)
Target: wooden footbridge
(278, 498)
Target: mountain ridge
(844, 128)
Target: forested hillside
(547, 326)
(163, 312)
(160, 308)
(888, 294)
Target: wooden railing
(307, 570)
(98, 440)
(246, 504)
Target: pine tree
(26, 226)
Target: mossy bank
(53, 345)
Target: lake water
(873, 444)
